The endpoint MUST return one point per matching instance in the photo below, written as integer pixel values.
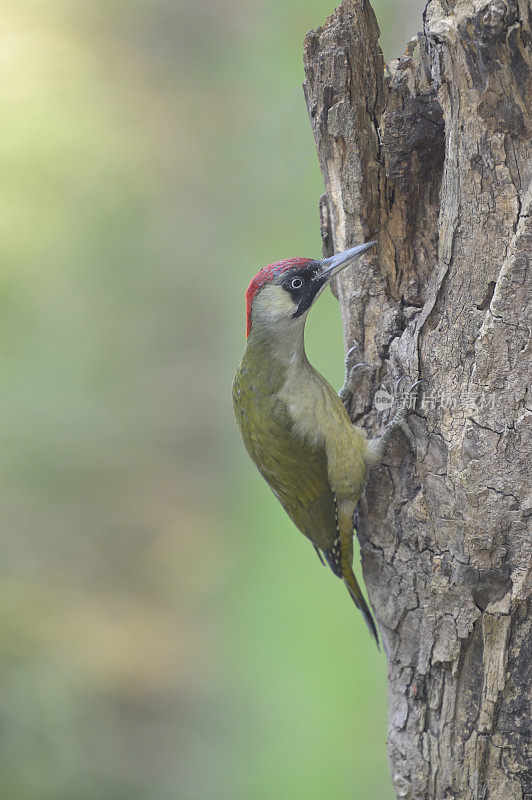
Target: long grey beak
(335, 264)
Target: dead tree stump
(431, 156)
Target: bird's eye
(297, 283)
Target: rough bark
(432, 157)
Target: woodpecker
(293, 423)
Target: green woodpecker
(293, 424)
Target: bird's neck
(282, 348)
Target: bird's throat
(283, 346)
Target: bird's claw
(399, 419)
(409, 399)
(348, 389)
(349, 355)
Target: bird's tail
(358, 598)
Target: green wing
(297, 473)
(295, 470)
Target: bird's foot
(399, 419)
(347, 391)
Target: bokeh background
(164, 630)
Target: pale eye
(297, 283)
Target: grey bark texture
(431, 155)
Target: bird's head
(281, 294)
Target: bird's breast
(320, 419)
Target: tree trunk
(432, 158)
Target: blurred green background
(165, 632)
